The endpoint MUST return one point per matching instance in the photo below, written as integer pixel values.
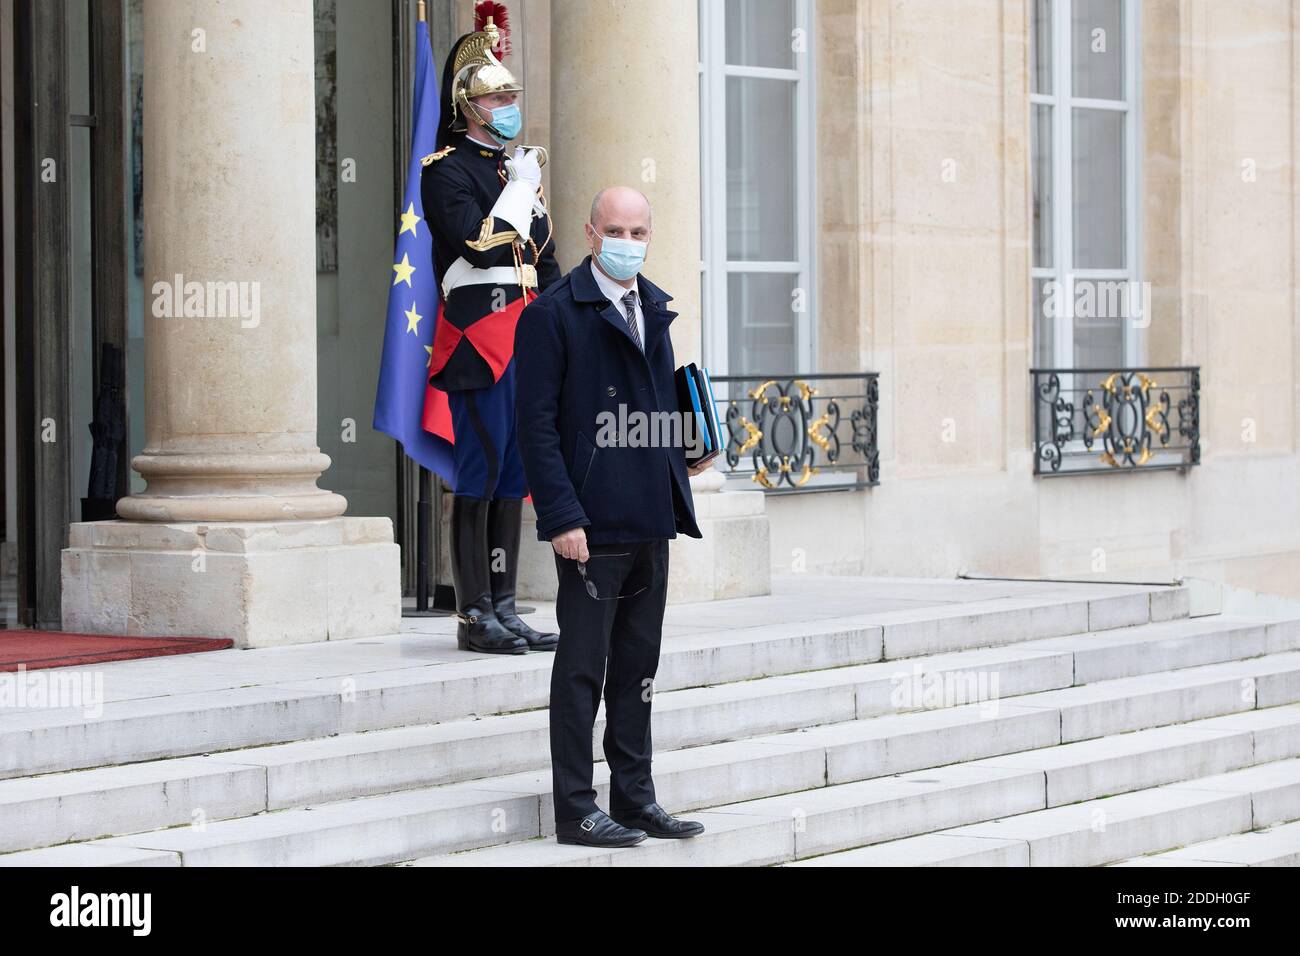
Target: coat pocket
(584, 455)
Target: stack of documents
(701, 430)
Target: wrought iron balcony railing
(1090, 420)
(787, 436)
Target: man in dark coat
(591, 352)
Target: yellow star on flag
(409, 219)
(413, 320)
(403, 270)
(429, 349)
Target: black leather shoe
(479, 630)
(504, 516)
(658, 822)
(597, 829)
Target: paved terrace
(797, 599)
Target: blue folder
(695, 401)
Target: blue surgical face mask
(508, 121)
(621, 258)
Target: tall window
(757, 134)
(1087, 298)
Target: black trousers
(611, 645)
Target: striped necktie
(629, 307)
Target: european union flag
(413, 301)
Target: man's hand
(699, 469)
(525, 166)
(571, 544)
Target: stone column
(230, 207)
(625, 111)
(231, 537)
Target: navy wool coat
(574, 359)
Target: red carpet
(37, 649)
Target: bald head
(622, 203)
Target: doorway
(64, 214)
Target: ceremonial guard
(493, 252)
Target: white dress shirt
(615, 292)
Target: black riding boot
(504, 516)
(479, 628)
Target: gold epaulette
(434, 157)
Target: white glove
(515, 206)
(519, 201)
(524, 166)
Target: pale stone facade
(930, 284)
(924, 280)
(941, 282)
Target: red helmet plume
(501, 18)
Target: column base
(259, 583)
(732, 560)
(734, 557)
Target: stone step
(889, 823)
(167, 724)
(183, 724)
(1166, 697)
(1012, 738)
(1278, 845)
(402, 826)
(517, 806)
(91, 854)
(1096, 832)
(79, 805)
(1093, 769)
(1011, 619)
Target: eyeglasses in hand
(591, 585)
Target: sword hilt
(541, 159)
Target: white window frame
(1063, 102)
(715, 267)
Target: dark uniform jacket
(575, 358)
(474, 334)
